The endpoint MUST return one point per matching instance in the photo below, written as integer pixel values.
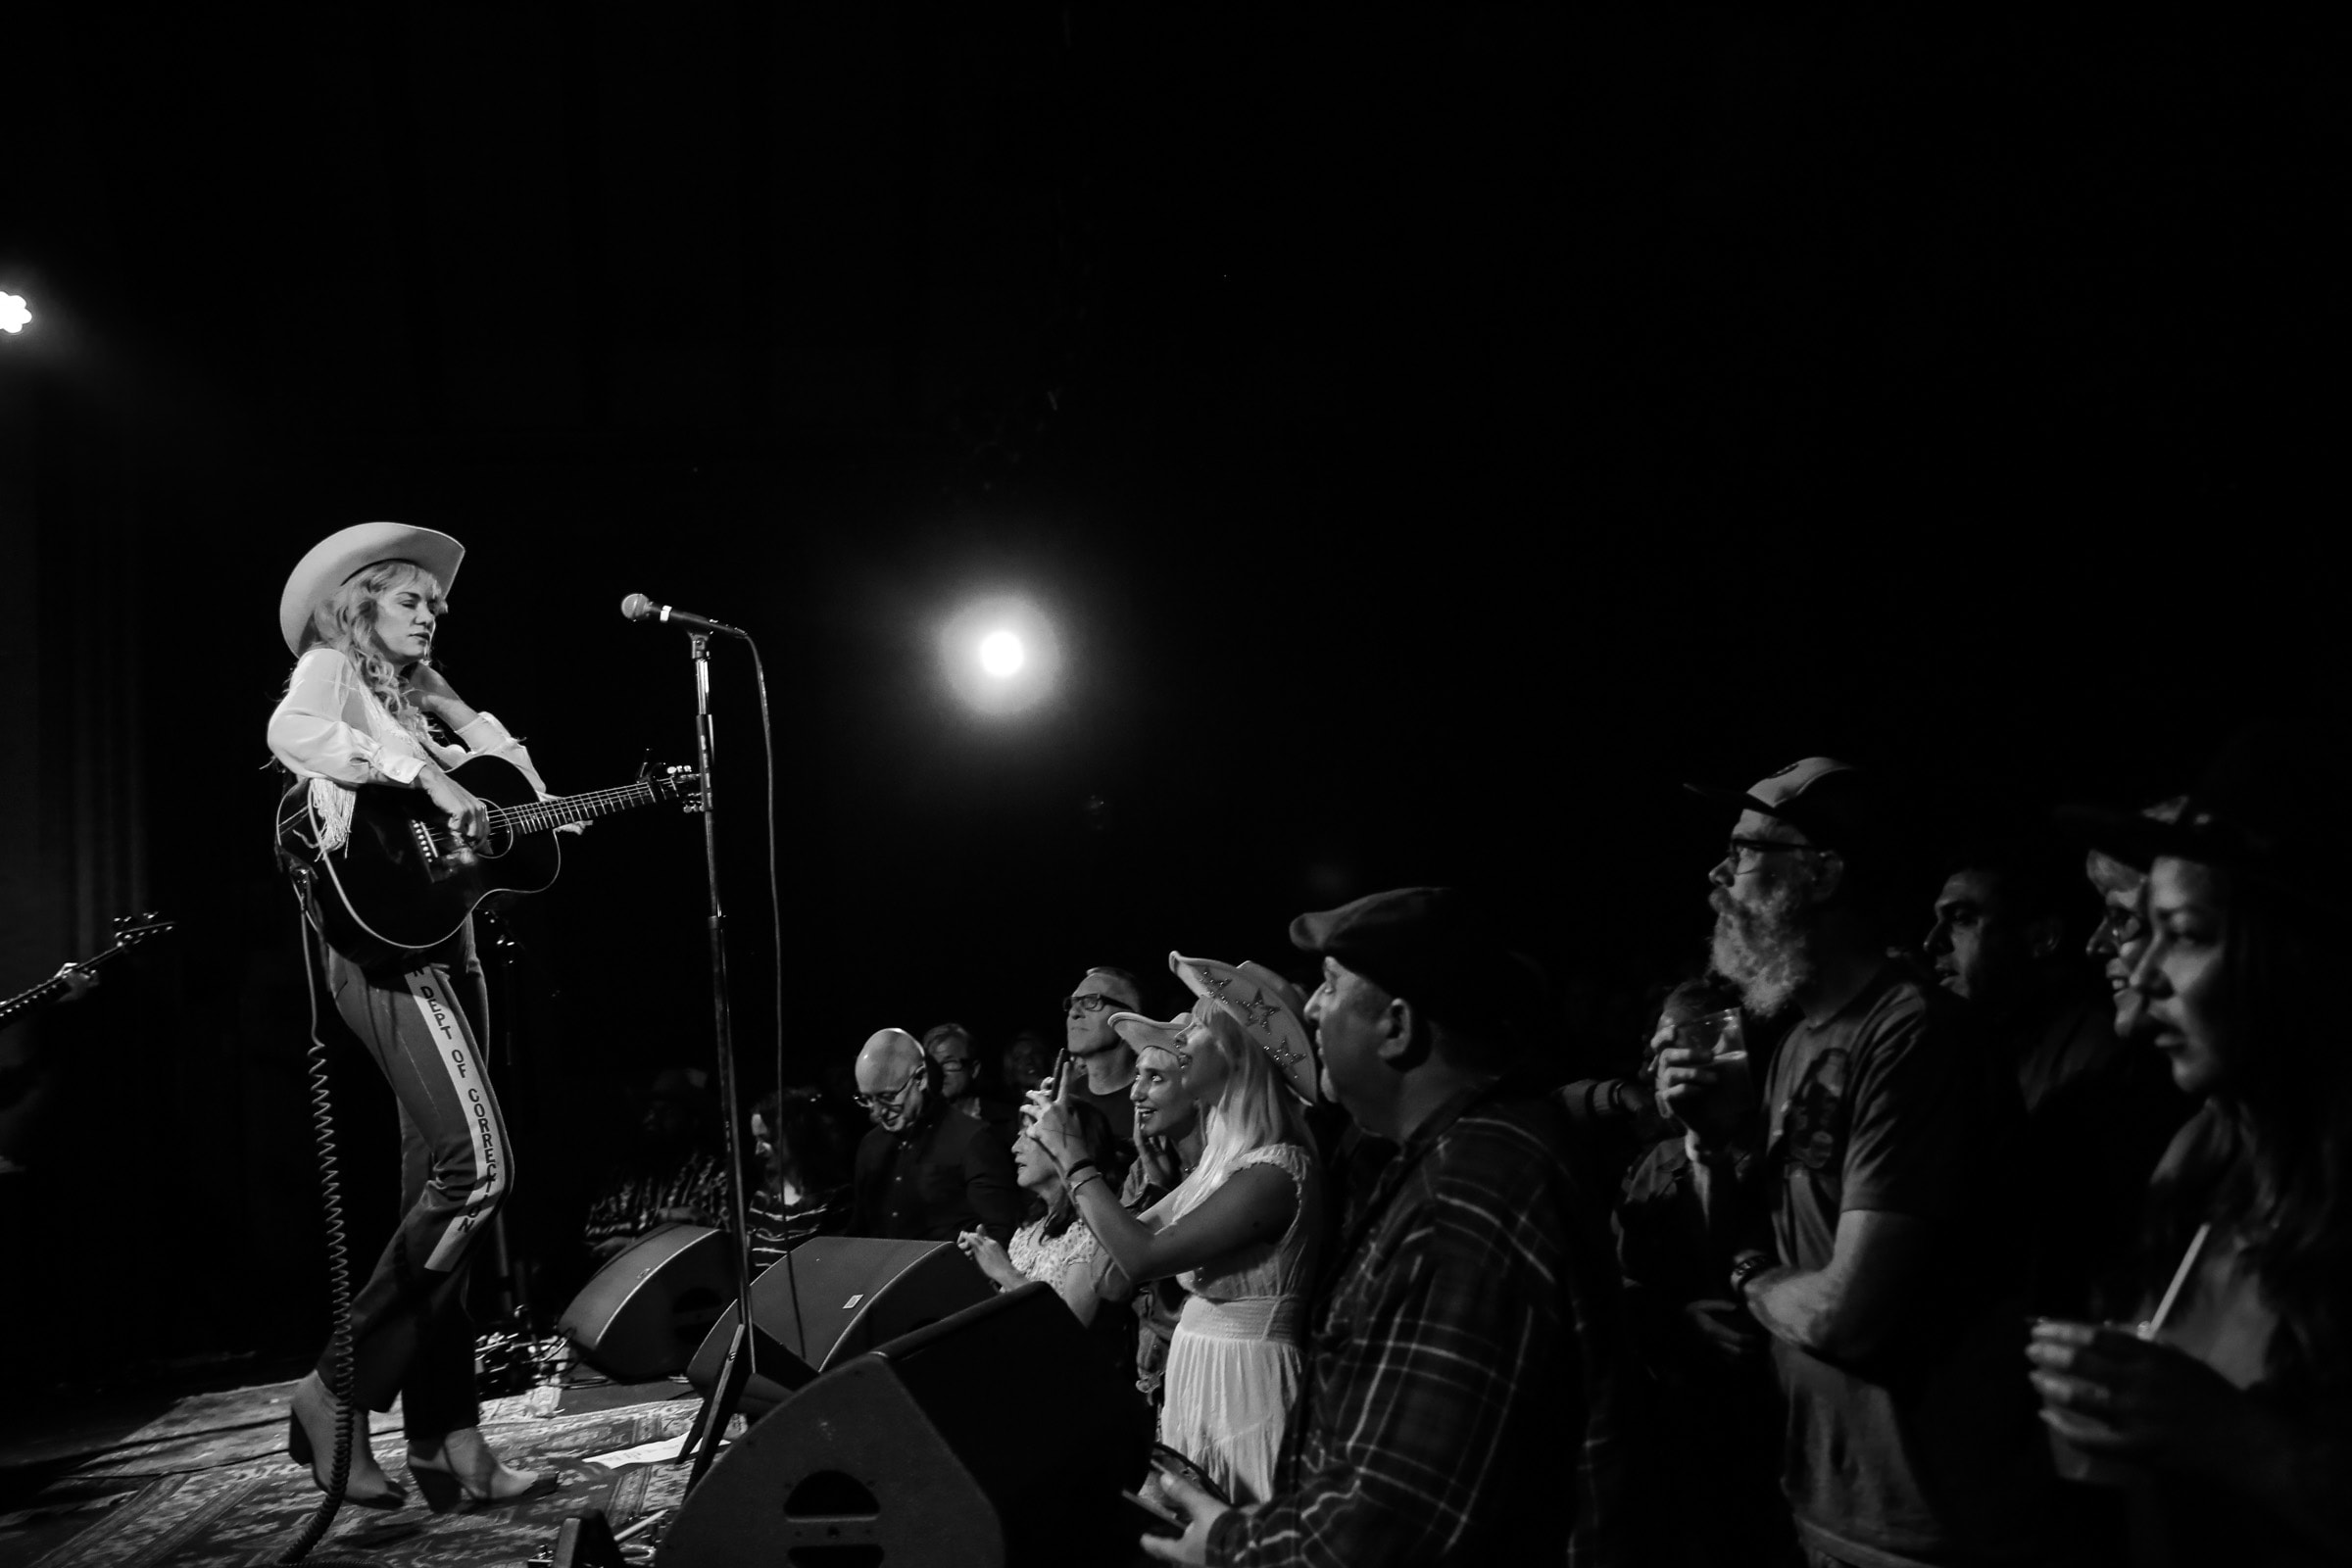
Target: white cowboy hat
(334, 560)
(1268, 1008)
(1145, 1034)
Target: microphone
(639, 607)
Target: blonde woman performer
(359, 614)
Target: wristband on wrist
(1071, 1174)
(1073, 1186)
(1746, 1269)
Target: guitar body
(404, 882)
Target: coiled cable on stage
(338, 1259)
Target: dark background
(1434, 432)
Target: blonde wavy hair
(345, 620)
(1254, 1109)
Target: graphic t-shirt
(1928, 1451)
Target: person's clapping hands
(2107, 1391)
(988, 1253)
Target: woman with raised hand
(360, 614)
(1054, 1244)
(1167, 1150)
(1241, 1232)
(2226, 1408)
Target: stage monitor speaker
(997, 1439)
(644, 1313)
(853, 1293)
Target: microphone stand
(702, 1442)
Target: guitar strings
(540, 815)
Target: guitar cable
(338, 1247)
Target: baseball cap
(1833, 803)
(2268, 806)
(1433, 947)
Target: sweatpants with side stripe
(409, 1333)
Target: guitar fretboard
(541, 816)
(50, 989)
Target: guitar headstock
(130, 930)
(683, 785)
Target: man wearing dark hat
(1461, 1396)
(1875, 1178)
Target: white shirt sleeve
(486, 736)
(312, 732)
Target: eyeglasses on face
(2118, 928)
(886, 1097)
(1738, 852)
(1087, 1002)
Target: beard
(1760, 947)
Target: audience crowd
(2000, 1226)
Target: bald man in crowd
(924, 1173)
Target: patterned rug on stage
(221, 1491)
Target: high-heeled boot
(460, 1468)
(366, 1486)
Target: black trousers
(411, 1336)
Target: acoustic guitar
(129, 931)
(404, 881)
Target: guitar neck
(51, 989)
(540, 817)
(24, 1002)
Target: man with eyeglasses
(958, 1062)
(924, 1173)
(1106, 1060)
(2121, 934)
(1875, 1181)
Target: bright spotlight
(15, 313)
(1002, 654)
(999, 654)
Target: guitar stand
(711, 1424)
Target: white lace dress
(1074, 1263)
(1233, 1364)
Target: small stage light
(999, 654)
(15, 313)
(1002, 654)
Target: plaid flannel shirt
(1462, 1384)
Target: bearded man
(1872, 1186)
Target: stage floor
(134, 1479)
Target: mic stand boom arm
(702, 1444)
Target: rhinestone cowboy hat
(339, 556)
(1268, 1008)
